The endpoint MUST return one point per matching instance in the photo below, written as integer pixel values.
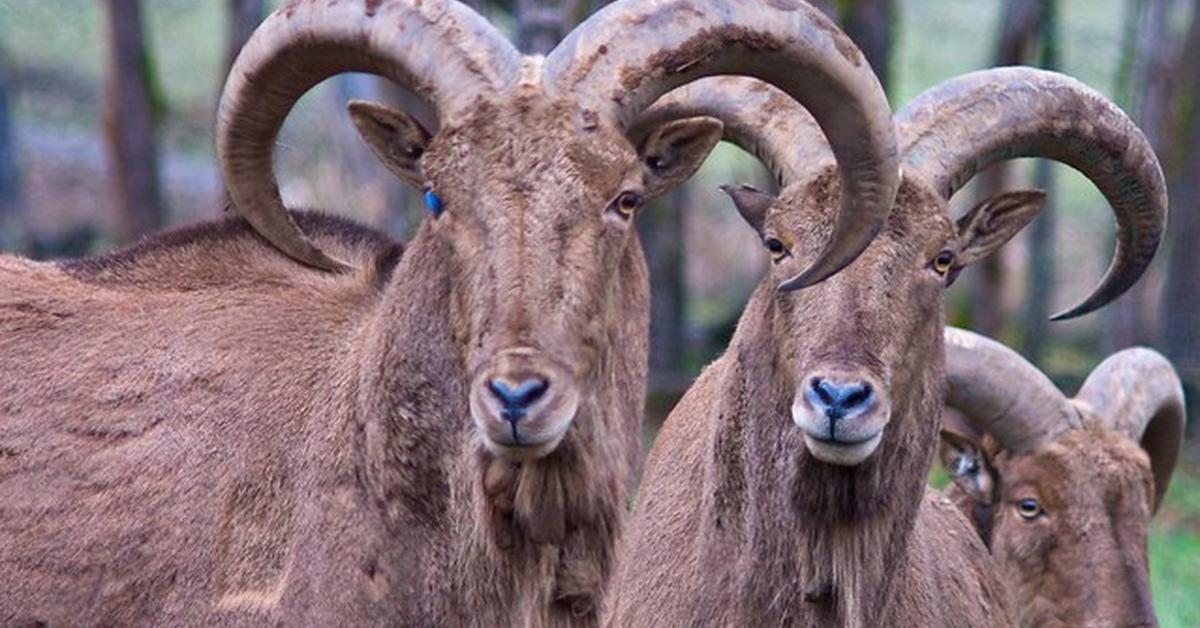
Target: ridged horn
(968, 123)
(438, 49)
(629, 54)
(1002, 394)
(1137, 392)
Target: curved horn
(440, 50)
(758, 117)
(1137, 392)
(966, 124)
(632, 52)
(1002, 394)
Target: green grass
(1175, 576)
(1175, 548)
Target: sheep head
(530, 170)
(866, 345)
(541, 229)
(849, 369)
(1062, 489)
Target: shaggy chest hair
(490, 541)
(812, 544)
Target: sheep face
(1068, 525)
(546, 264)
(866, 344)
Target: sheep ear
(968, 466)
(673, 152)
(751, 203)
(395, 137)
(994, 221)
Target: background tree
(541, 24)
(1016, 44)
(241, 18)
(1179, 311)
(870, 24)
(1144, 90)
(130, 120)
(1042, 257)
(10, 176)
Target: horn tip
(741, 187)
(1074, 312)
(810, 276)
(317, 259)
(333, 265)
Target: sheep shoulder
(953, 580)
(155, 412)
(672, 496)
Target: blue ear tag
(433, 202)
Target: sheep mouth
(525, 435)
(842, 442)
(841, 452)
(520, 451)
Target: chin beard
(838, 494)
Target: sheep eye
(1029, 509)
(777, 248)
(626, 203)
(943, 262)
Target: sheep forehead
(1082, 467)
(532, 146)
(917, 221)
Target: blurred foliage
(1175, 548)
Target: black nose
(517, 399)
(838, 399)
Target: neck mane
(514, 543)
(815, 543)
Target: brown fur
(198, 431)
(738, 524)
(1083, 561)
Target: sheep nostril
(518, 398)
(856, 396)
(823, 390)
(841, 398)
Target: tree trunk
(11, 235)
(869, 24)
(1147, 94)
(241, 18)
(1019, 27)
(1042, 266)
(661, 233)
(1041, 271)
(1179, 313)
(129, 125)
(541, 24)
(828, 7)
